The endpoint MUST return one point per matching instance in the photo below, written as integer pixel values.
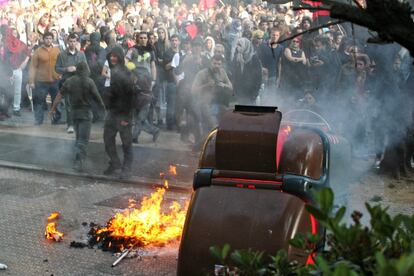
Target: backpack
(142, 87)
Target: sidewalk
(49, 148)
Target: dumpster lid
(246, 139)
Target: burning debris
(149, 224)
(146, 225)
(172, 170)
(51, 233)
(132, 232)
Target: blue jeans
(39, 98)
(142, 123)
(82, 131)
(171, 98)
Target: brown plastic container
(251, 190)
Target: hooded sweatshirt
(81, 91)
(95, 54)
(119, 99)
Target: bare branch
(311, 8)
(311, 30)
(358, 4)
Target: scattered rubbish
(45, 260)
(123, 255)
(76, 244)
(221, 270)
(3, 266)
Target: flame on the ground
(51, 233)
(53, 216)
(172, 170)
(145, 225)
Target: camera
(313, 59)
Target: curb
(143, 181)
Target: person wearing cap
(66, 66)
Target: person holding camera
(212, 90)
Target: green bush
(385, 248)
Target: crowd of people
(130, 59)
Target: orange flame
(148, 224)
(53, 216)
(172, 170)
(51, 233)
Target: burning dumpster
(255, 176)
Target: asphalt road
(28, 197)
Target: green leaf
(388, 270)
(325, 198)
(298, 241)
(216, 252)
(381, 262)
(225, 251)
(339, 214)
(343, 270)
(323, 265)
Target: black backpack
(142, 87)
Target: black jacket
(119, 99)
(95, 55)
(81, 91)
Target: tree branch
(311, 30)
(392, 22)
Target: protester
(119, 104)
(43, 78)
(247, 72)
(18, 55)
(96, 56)
(81, 91)
(335, 63)
(66, 67)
